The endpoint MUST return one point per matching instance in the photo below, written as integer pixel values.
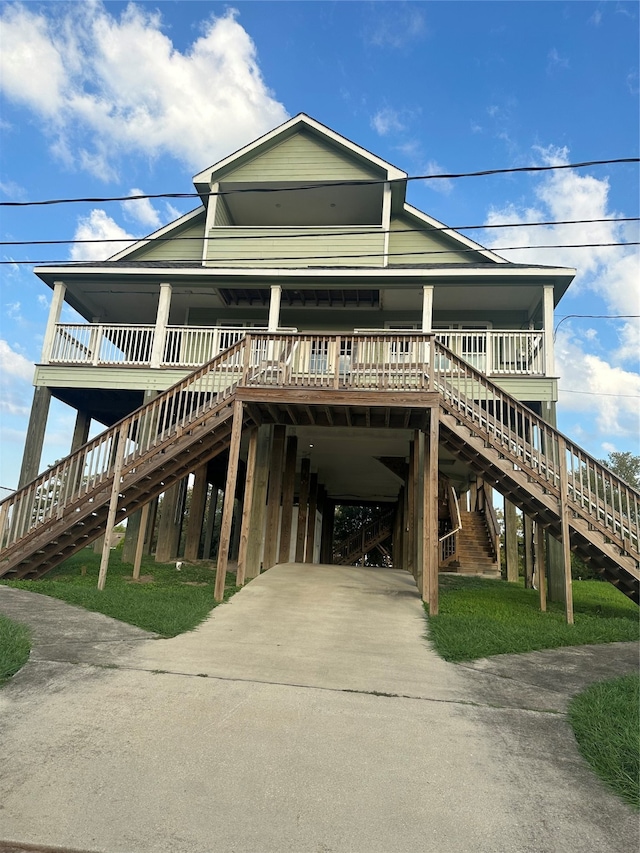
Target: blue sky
(103, 99)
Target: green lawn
(606, 723)
(168, 602)
(14, 647)
(480, 617)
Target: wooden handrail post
(336, 377)
(432, 363)
(246, 359)
(142, 531)
(229, 496)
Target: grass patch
(480, 617)
(168, 603)
(606, 722)
(15, 644)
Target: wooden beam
(273, 499)
(541, 566)
(410, 521)
(311, 521)
(303, 508)
(288, 490)
(246, 506)
(229, 498)
(196, 514)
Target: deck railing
(502, 352)
(410, 362)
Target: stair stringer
(143, 479)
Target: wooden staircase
(356, 546)
(474, 550)
(554, 481)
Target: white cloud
(141, 211)
(43, 302)
(14, 311)
(386, 120)
(596, 18)
(608, 395)
(606, 373)
(16, 375)
(396, 29)
(555, 60)
(441, 185)
(104, 85)
(98, 226)
(611, 272)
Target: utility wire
(307, 235)
(599, 394)
(245, 260)
(594, 317)
(254, 189)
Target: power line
(443, 176)
(599, 394)
(308, 235)
(245, 260)
(594, 317)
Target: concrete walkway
(307, 714)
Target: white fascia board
(270, 273)
(140, 244)
(393, 173)
(460, 238)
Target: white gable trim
(301, 120)
(141, 244)
(459, 238)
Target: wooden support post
(311, 521)
(431, 559)
(410, 521)
(113, 504)
(259, 503)
(527, 526)
(273, 500)
(196, 514)
(541, 566)
(288, 489)
(328, 519)
(511, 540)
(211, 522)
(303, 508)
(566, 532)
(247, 506)
(229, 499)
(169, 524)
(35, 435)
(418, 511)
(142, 530)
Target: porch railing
(492, 352)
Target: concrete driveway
(306, 714)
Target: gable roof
(298, 124)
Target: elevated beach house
(306, 338)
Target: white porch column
(547, 325)
(57, 301)
(162, 319)
(274, 308)
(386, 221)
(427, 308)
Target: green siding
(302, 158)
(223, 216)
(324, 247)
(431, 241)
(175, 249)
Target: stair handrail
(595, 493)
(359, 539)
(85, 471)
